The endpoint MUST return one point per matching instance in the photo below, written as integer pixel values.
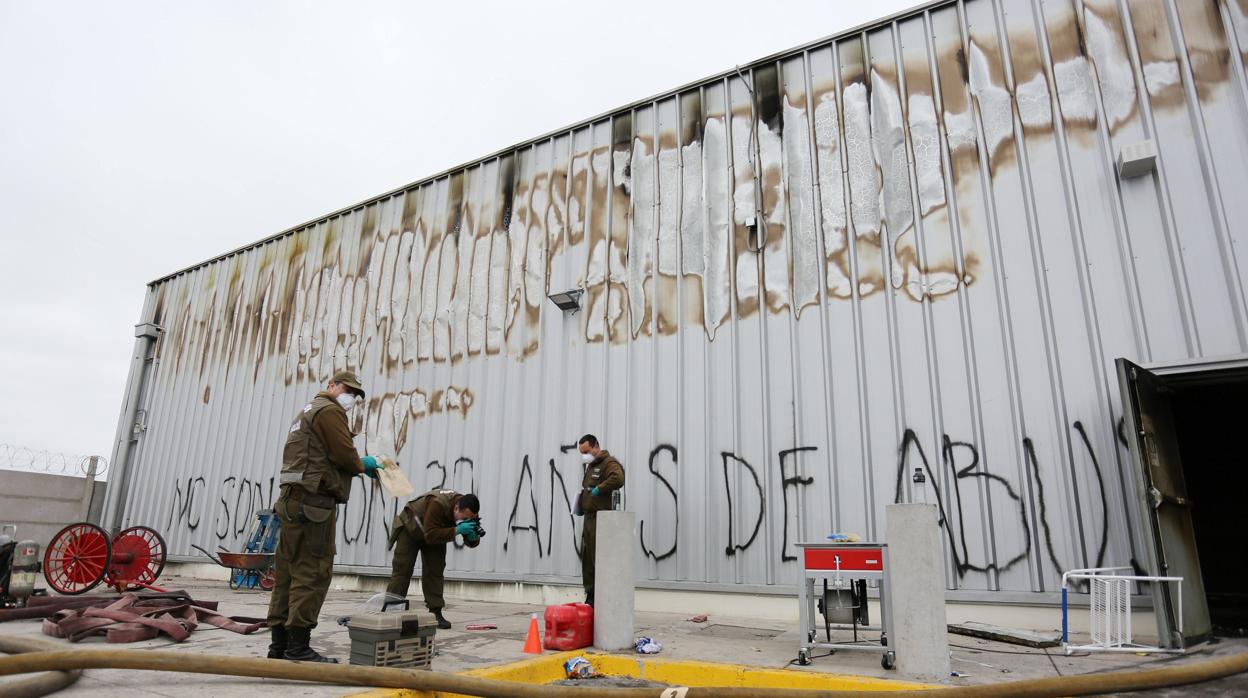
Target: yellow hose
(39, 684)
(345, 674)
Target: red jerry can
(569, 626)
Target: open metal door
(1170, 537)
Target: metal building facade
(904, 250)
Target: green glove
(466, 529)
(371, 466)
(471, 536)
(594, 492)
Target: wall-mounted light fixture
(567, 301)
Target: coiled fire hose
(32, 657)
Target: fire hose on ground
(40, 684)
(30, 656)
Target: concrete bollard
(917, 600)
(614, 580)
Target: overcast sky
(138, 138)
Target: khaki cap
(348, 379)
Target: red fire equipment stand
(844, 569)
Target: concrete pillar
(917, 595)
(614, 580)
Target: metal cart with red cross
(844, 569)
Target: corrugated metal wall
(944, 267)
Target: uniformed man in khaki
(423, 529)
(603, 475)
(317, 466)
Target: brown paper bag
(393, 482)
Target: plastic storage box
(402, 639)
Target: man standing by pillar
(603, 475)
(318, 463)
(423, 529)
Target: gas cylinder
(25, 569)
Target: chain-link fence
(40, 461)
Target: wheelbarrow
(253, 567)
(247, 570)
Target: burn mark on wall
(618, 306)
(641, 236)
(577, 192)
(397, 276)
(1106, 46)
(1208, 52)
(1072, 78)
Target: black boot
(278, 642)
(297, 647)
(443, 623)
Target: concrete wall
(41, 504)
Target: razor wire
(13, 457)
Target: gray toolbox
(402, 639)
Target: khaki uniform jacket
(432, 514)
(320, 456)
(607, 474)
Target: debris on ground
(700, 618)
(480, 626)
(610, 682)
(578, 668)
(647, 645)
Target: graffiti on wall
(969, 472)
(954, 475)
(652, 466)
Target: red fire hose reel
(82, 555)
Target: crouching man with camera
(423, 528)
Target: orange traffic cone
(533, 641)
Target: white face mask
(347, 400)
(587, 457)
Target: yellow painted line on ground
(548, 668)
(711, 674)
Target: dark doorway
(1210, 417)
